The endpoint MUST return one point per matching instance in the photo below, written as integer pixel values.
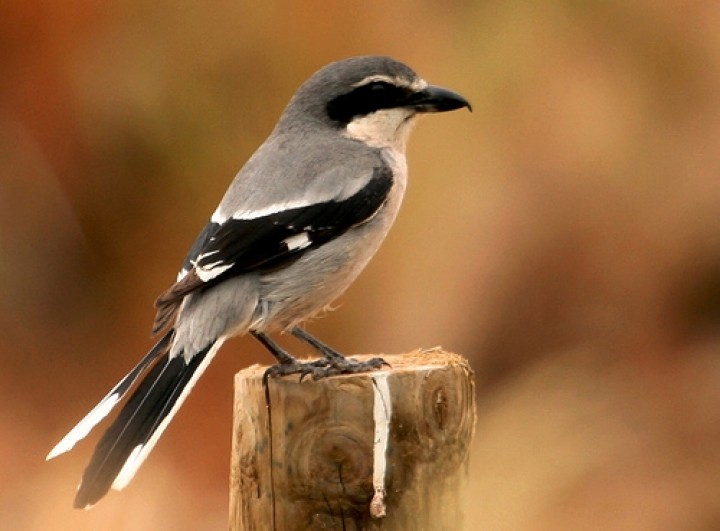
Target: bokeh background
(565, 237)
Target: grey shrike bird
(299, 222)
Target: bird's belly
(316, 279)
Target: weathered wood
(383, 450)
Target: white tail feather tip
(82, 428)
(131, 466)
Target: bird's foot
(324, 367)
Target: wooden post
(382, 450)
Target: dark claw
(383, 363)
(324, 368)
(304, 369)
(348, 366)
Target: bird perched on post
(299, 222)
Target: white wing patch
(297, 241)
(182, 274)
(250, 214)
(210, 271)
(209, 253)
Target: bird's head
(373, 99)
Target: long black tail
(138, 426)
(110, 400)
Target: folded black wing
(270, 240)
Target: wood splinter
(380, 450)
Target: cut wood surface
(381, 450)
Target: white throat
(386, 128)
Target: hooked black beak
(438, 99)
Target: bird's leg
(282, 355)
(287, 363)
(336, 363)
(330, 364)
(328, 352)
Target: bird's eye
(365, 99)
(378, 87)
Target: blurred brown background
(565, 237)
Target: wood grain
(310, 455)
